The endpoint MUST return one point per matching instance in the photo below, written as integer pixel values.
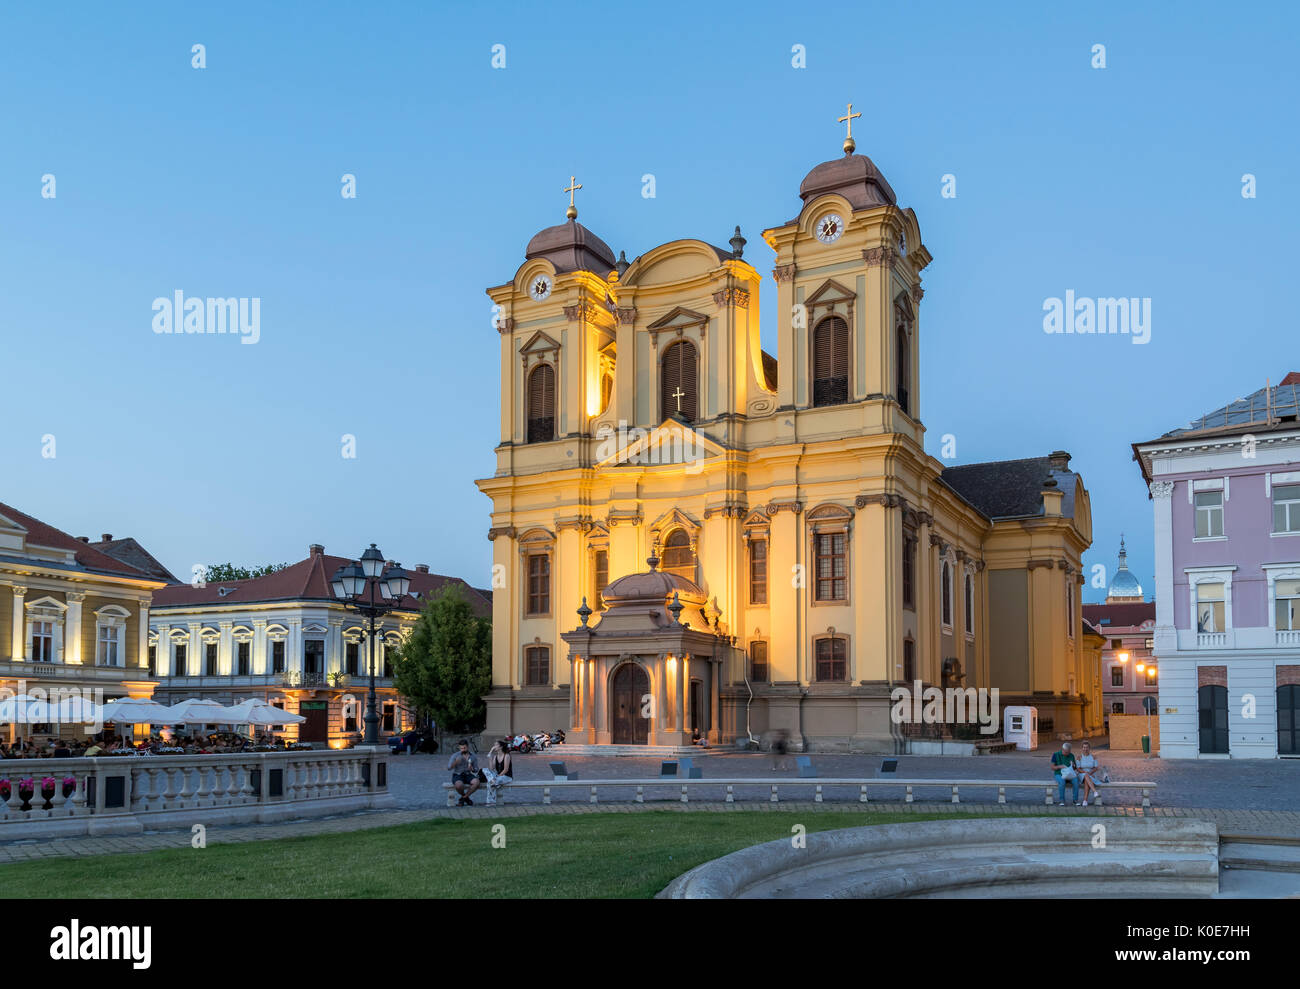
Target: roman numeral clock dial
(829, 228)
(540, 287)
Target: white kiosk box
(1020, 725)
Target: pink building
(1226, 492)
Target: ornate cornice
(774, 507)
(626, 316)
(501, 530)
(580, 311)
(962, 556)
(583, 523)
(918, 293)
(979, 566)
(888, 500)
(731, 296)
(506, 324)
(628, 518)
(783, 273)
(1162, 489)
(727, 512)
(1035, 564)
(879, 256)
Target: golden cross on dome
(574, 185)
(848, 118)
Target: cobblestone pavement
(1259, 797)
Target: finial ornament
(574, 186)
(737, 243)
(848, 118)
(676, 608)
(584, 612)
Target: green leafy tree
(217, 572)
(445, 666)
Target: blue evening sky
(225, 181)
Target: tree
(445, 666)
(218, 572)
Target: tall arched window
(903, 352)
(678, 557)
(541, 404)
(946, 592)
(679, 382)
(830, 361)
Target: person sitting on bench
(464, 772)
(499, 770)
(1063, 769)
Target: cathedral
(692, 537)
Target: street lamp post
(368, 589)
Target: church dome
(571, 247)
(653, 586)
(855, 177)
(1124, 586)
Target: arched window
(678, 557)
(903, 351)
(970, 605)
(830, 362)
(541, 404)
(678, 382)
(946, 582)
(606, 391)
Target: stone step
(1259, 853)
(558, 752)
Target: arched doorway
(627, 692)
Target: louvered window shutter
(541, 404)
(678, 371)
(831, 362)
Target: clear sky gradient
(225, 181)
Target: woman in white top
(1086, 764)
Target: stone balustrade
(126, 794)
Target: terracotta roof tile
(42, 534)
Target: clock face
(540, 287)
(829, 228)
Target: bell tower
(849, 289)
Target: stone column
(225, 654)
(260, 658)
(293, 651)
(194, 652)
(72, 652)
(685, 693)
(334, 646)
(20, 625)
(163, 658)
(142, 638)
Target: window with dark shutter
(678, 382)
(909, 661)
(832, 660)
(909, 569)
(678, 557)
(831, 362)
(538, 662)
(539, 584)
(758, 571)
(601, 578)
(758, 669)
(541, 404)
(904, 371)
(832, 567)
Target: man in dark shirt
(464, 772)
(1063, 769)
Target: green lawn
(596, 855)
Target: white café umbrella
(23, 709)
(260, 713)
(199, 712)
(135, 711)
(75, 710)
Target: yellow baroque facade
(787, 500)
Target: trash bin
(1146, 744)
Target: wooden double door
(629, 694)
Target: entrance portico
(649, 671)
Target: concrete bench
(776, 784)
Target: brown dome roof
(571, 247)
(655, 585)
(855, 177)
